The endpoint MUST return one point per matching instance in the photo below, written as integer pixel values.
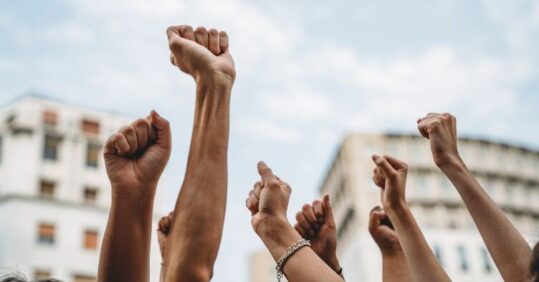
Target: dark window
(46, 234)
(90, 195)
(90, 239)
(50, 148)
(463, 259)
(90, 126)
(486, 260)
(92, 154)
(46, 189)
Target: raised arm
(315, 223)
(197, 224)
(506, 245)
(135, 158)
(394, 264)
(422, 262)
(268, 203)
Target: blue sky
(309, 72)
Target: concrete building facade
(507, 172)
(54, 193)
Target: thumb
(328, 211)
(163, 130)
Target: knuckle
(299, 216)
(200, 30)
(213, 31)
(306, 207)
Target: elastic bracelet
(287, 254)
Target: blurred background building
(54, 191)
(508, 172)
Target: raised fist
(315, 222)
(268, 200)
(200, 52)
(383, 233)
(136, 156)
(441, 130)
(163, 229)
(390, 176)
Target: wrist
(334, 263)
(449, 161)
(123, 193)
(216, 78)
(395, 207)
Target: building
(509, 173)
(54, 193)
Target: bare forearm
(125, 249)
(506, 245)
(395, 268)
(422, 262)
(198, 222)
(304, 265)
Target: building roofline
(40, 95)
(486, 140)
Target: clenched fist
(201, 52)
(390, 176)
(268, 200)
(136, 156)
(315, 222)
(383, 233)
(163, 230)
(441, 130)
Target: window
(50, 118)
(50, 150)
(90, 126)
(486, 260)
(463, 259)
(46, 189)
(46, 234)
(438, 254)
(347, 221)
(90, 195)
(83, 278)
(90, 239)
(40, 274)
(92, 154)
(1, 155)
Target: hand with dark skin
(315, 223)
(197, 226)
(268, 203)
(135, 157)
(506, 245)
(422, 262)
(394, 264)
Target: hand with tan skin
(394, 264)
(422, 262)
(197, 226)
(268, 203)
(315, 223)
(506, 245)
(135, 157)
(163, 231)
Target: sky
(308, 74)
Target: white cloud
(68, 33)
(269, 130)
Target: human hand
(441, 130)
(315, 222)
(390, 175)
(383, 233)
(136, 156)
(163, 230)
(268, 200)
(201, 52)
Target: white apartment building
(54, 191)
(509, 173)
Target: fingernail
(375, 157)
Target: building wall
(506, 171)
(22, 208)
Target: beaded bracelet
(287, 254)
